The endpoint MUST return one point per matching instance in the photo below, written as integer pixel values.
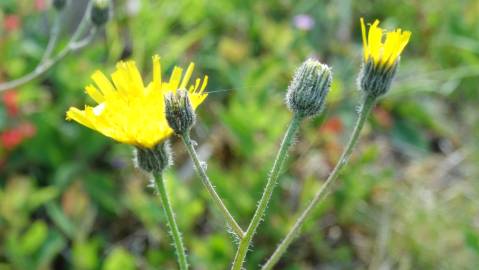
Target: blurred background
(71, 198)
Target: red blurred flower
(11, 138)
(11, 22)
(10, 99)
(383, 117)
(332, 125)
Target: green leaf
(42, 196)
(51, 248)
(60, 219)
(34, 237)
(101, 188)
(85, 255)
(119, 258)
(409, 137)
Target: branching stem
(367, 105)
(47, 61)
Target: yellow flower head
(383, 52)
(131, 113)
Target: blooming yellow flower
(383, 52)
(131, 113)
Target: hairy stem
(367, 105)
(170, 216)
(268, 191)
(209, 186)
(47, 61)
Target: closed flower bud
(100, 12)
(59, 4)
(179, 112)
(155, 159)
(308, 89)
(375, 80)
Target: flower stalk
(174, 231)
(154, 161)
(368, 104)
(268, 191)
(210, 188)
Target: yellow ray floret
(383, 51)
(131, 113)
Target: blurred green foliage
(71, 199)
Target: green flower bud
(59, 4)
(179, 112)
(153, 160)
(100, 12)
(375, 79)
(308, 89)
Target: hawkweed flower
(130, 112)
(309, 88)
(381, 54)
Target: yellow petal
(187, 76)
(103, 83)
(94, 94)
(175, 79)
(365, 42)
(79, 116)
(156, 71)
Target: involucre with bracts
(309, 88)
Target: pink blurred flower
(303, 22)
(40, 5)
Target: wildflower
(308, 89)
(303, 22)
(381, 57)
(131, 113)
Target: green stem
(268, 191)
(175, 232)
(209, 186)
(368, 104)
